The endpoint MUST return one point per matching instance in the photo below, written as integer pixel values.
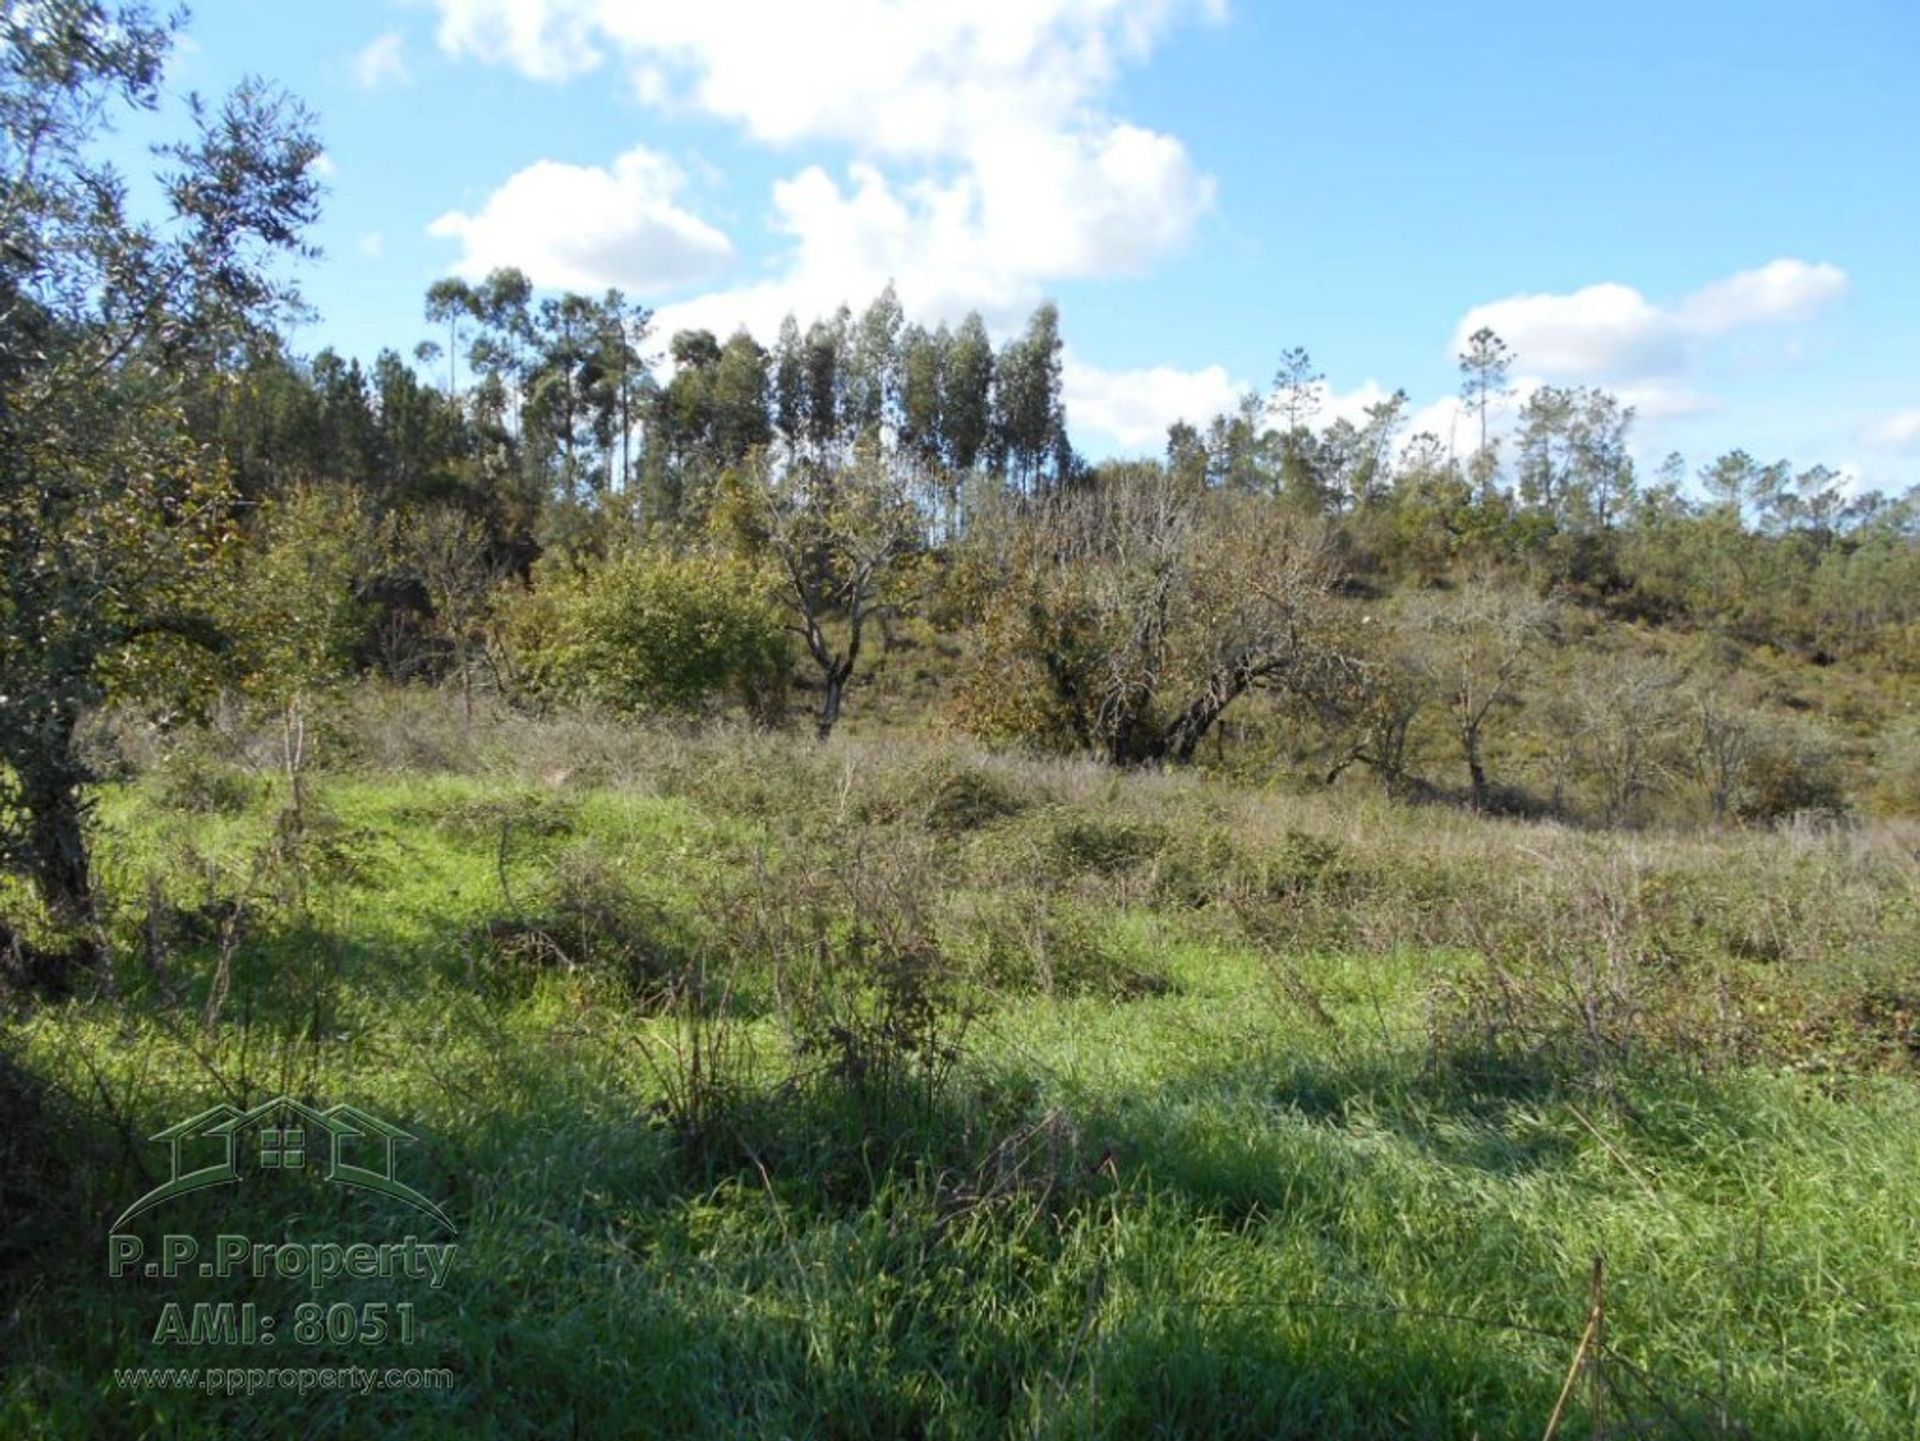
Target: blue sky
(1708, 208)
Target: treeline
(563, 425)
(574, 524)
(558, 422)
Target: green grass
(1284, 1190)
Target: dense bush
(1793, 770)
(1898, 769)
(649, 631)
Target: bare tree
(1153, 606)
(1477, 644)
(842, 535)
(1370, 707)
(1627, 720)
(448, 552)
(1722, 739)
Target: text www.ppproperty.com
(247, 1380)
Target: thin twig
(1596, 1313)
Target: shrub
(966, 799)
(1204, 866)
(193, 782)
(47, 1151)
(593, 919)
(1005, 696)
(650, 631)
(526, 814)
(1024, 943)
(1109, 847)
(866, 994)
(1793, 769)
(1897, 769)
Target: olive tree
(107, 514)
(1148, 607)
(843, 536)
(293, 615)
(1628, 730)
(648, 631)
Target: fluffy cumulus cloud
(1135, 407)
(1649, 354)
(382, 61)
(985, 168)
(581, 227)
(1899, 432)
(894, 77)
(1456, 425)
(1612, 333)
(1448, 421)
(1784, 290)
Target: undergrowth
(904, 1089)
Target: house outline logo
(286, 1124)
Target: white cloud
(1780, 291)
(988, 240)
(579, 227)
(1612, 332)
(1664, 401)
(547, 39)
(1447, 420)
(323, 166)
(1646, 353)
(373, 245)
(1456, 424)
(893, 77)
(984, 170)
(983, 167)
(1135, 407)
(1853, 479)
(1899, 431)
(183, 57)
(1350, 406)
(382, 61)
(1602, 331)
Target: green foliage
(1897, 772)
(844, 541)
(296, 614)
(109, 514)
(651, 631)
(194, 782)
(968, 799)
(1005, 696)
(1081, 842)
(587, 915)
(1084, 1154)
(1148, 608)
(1793, 771)
(1025, 941)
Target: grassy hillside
(898, 1089)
